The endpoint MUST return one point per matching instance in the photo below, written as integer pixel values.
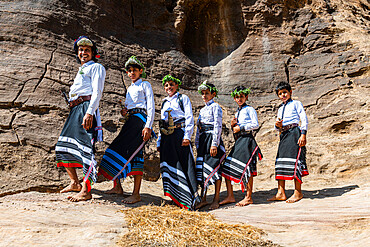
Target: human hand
(185, 142)
(124, 111)
(146, 133)
(213, 151)
(236, 129)
(234, 121)
(87, 121)
(279, 123)
(302, 140)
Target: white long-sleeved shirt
(247, 118)
(140, 95)
(89, 81)
(292, 112)
(210, 114)
(172, 103)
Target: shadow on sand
(259, 197)
(146, 199)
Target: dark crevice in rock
(42, 189)
(339, 127)
(46, 69)
(170, 5)
(59, 81)
(132, 14)
(39, 110)
(19, 140)
(123, 83)
(20, 91)
(286, 67)
(115, 93)
(212, 31)
(358, 73)
(11, 121)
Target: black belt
(136, 110)
(242, 133)
(179, 125)
(287, 127)
(205, 127)
(79, 100)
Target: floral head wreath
(134, 61)
(205, 86)
(171, 78)
(244, 90)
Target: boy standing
(176, 155)
(75, 147)
(124, 157)
(291, 157)
(241, 164)
(210, 148)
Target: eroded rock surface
(320, 47)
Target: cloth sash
(207, 167)
(291, 158)
(241, 163)
(121, 149)
(178, 170)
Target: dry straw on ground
(172, 226)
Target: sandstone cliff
(320, 46)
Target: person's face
(284, 95)
(207, 95)
(171, 88)
(134, 73)
(85, 53)
(241, 99)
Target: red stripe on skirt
(173, 199)
(62, 164)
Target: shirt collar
(287, 102)
(172, 97)
(241, 107)
(210, 102)
(87, 64)
(138, 81)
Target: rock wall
(320, 46)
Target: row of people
(181, 173)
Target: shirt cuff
(186, 136)
(90, 111)
(304, 132)
(214, 143)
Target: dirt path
(336, 216)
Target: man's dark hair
(94, 49)
(133, 66)
(283, 85)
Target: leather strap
(289, 126)
(79, 100)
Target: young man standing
(75, 147)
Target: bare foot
(214, 205)
(82, 196)
(277, 197)
(246, 201)
(227, 200)
(115, 190)
(72, 187)
(295, 197)
(132, 199)
(201, 204)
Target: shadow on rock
(146, 199)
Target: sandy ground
(331, 216)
